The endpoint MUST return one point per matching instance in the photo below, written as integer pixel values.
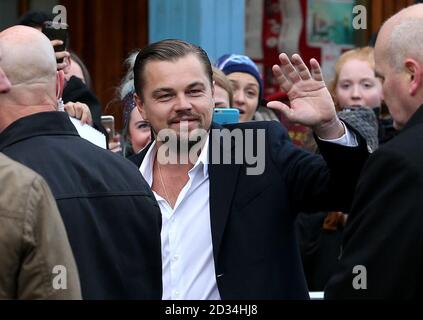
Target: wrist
(330, 130)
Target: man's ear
(60, 83)
(414, 73)
(140, 106)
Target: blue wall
(215, 25)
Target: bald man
(382, 256)
(110, 215)
(28, 261)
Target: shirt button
(177, 294)
(175, 258)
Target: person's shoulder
(401, 155)
(406, 144)
(102, 160)
(17, 175)
(18, 182)
(117, 159)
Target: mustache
(184, 116)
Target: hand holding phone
(108, 122)
(59, 35)
(225, 115)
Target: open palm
(310, 101)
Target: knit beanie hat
(230, 63)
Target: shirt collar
(203, 159)
(146, 167)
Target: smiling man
(228, 234)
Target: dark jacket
(384, 228)
(110, 214)
(255, 248)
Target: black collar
(416, 118)
(38, 124)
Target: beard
(183, 140)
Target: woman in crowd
(136, 132)
(247, 85)
(223, 93)
(355, 85)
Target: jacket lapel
(139, 157)
(223, 181)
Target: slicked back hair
(167, 50)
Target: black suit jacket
(384, 228)
(252, 217)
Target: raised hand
(310, 101)
(61, 55)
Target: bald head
(399, 63)
(4, 82)
(27, 56)
(401, 36)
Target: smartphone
(225, 115)
(108, 122)
(57, 31)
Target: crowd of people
(191, 220)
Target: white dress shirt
(187, 249)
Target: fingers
(282, 107)
(70, 110)
(315, 70)
(89, 118)
(283, 82)
(301, 67)
(114, 144)
(79, 111)
(288, 69)
(65, 56)
(61, 66)
(62, 55)
(291, 71)
(115, 147)
(56, 42)
(83, 113)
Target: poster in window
(330, 21)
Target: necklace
(161, 180)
